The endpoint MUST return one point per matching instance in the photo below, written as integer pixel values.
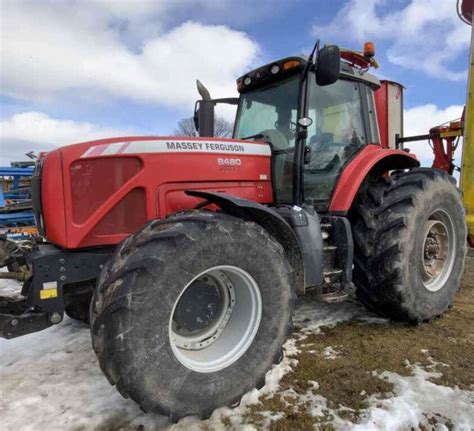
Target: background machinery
(190, 252)
(466, 11)
(15, 197)
(444, 139)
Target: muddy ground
(354, 354)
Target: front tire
(77, 300)
(410, 244)
(166, 326)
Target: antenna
(311, 60)
(314, 52)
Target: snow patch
(311, 315)
(330, 353)
(51, 380)
(417, 399)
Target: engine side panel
(112, 187)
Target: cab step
(331, 275)
(338, 293)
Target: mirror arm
(228, 100)
(204, 114)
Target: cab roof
(263, 74)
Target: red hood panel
(111, 187)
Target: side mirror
(204, 112)
(204, 117)
(328, 65)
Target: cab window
(338, 132)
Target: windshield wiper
(257, 136)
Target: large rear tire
(410, 244)
(191, 312)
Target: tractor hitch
(17, 319)
(42, 301)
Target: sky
(76, 70)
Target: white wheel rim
(232, 330)
(438, 251)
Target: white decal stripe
(111, 149)
(178, 146)
(86, 154)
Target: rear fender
(269, 219)
(372, 160)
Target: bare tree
(222, 128)
(186, 128)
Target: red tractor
(186, 255)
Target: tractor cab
(315, 124)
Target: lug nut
(14, 322)
(55, 318)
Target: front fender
(266, 217)
(372, 159)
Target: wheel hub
(203, 311)
(215, 319)
(198, 307)
(437, 251)
(432, 247)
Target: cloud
(420, 119)
(425, 35)
(116, 49)
(36, 131)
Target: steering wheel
(292, 127)
(277, 139)
(335, 162)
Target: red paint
(467, 9)
(445, 147)
(443, 156)
(99, 192)
(357, 59)
(358, 169)
(52, 195)
(171, 197)
(381, 100)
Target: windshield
(273, 109)
(269, 113)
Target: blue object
(6, 171)
(16, 174)
(17, 218)
(17, 195)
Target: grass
(347, 380)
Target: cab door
(344, 121)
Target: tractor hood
(98, 192)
